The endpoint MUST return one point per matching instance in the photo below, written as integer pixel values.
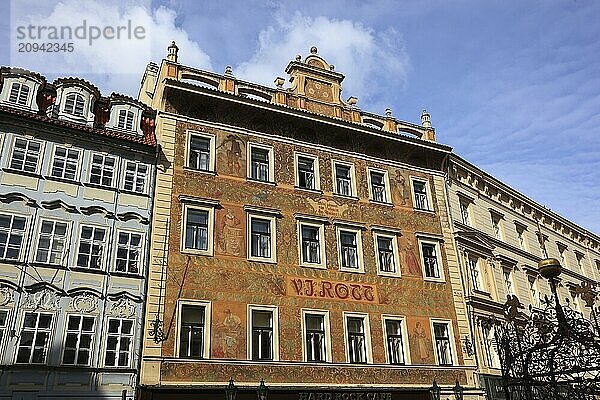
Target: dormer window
(19, 94)
(126, 120)
(74, 104)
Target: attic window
(125, 120)
(74, 104)
(19, 93)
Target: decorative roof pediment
(97, 210)
(54, 204)
(126, 216)
(476, 241)
(15, 196)
(40, 286)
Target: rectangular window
(357, 346)
(262, 334)
(19, 94)
(196, 229)
(350, 249)
(65, 163)
(200, 151)
(508, 282)
(378, 187)
(430, 260)
(118, 342)
(191, 331)
(129, 249)
(490, 346)
(315, 339)
(394, 341)
(521, 236)
(12, 232)
(25, 155)
(34, 340)
(125, 120)
(562, 250)
(78, 341)
(475, 272)
(344, 175)
(421, 196)
(102, 170)
(261, 163)
(91, 247)
(386, 250)
(136, 175)
(3, 324)
(496, 225)
(441, 332)
(306, 167)
(534, 291)
(464, 212)
(261, 237)
(51, 242)
(311, 244)
(579, 258)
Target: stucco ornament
(44, 299)
(6, 295)
(123, 308)
(85, 303)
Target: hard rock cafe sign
(326, 289)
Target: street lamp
(231, 391)
(458, 391)
(435, 391)
(262, 390)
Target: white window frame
(206, 342)
(367, 329)
(414, 179)
(521, 229)
(77, 167)
(327, 339)
(496, 220)
(4, 327)
(359, 249)
(105, 248)
(562, 254)
(135, 175)
(464, 206)
(317, 185)
(40, 155)
(126, 112)
(140, 260)
(271, 161)
(438, 254)
(405, 342)
(492, 361)
(451, 338)
(48, 345)
(24, 237)
(71, 112)
(396, 255)
(321, 227)
(579, 259)
(79, 332)
(353, 190)
(273, 233)
(211, 224)
(211, 148)
(66, 244)
(535, 299)
(386, 182)
(275, 338)
(19, 92)
(115, 175)
(473, 262)
(511, 279)
(132, 343)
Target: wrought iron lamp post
(458, 391)
(435, 391)
(262, 390)
(231, 391)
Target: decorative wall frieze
(6, 295)
(43, 299)
(85, 302)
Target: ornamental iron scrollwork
(553, 352)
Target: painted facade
(299, 240)
(76, 185)
(501, 236)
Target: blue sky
(513, 87)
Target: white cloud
(372, 61)
(112, 64)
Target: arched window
(19, 94)
(74, 104)
(126, 120)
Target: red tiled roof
(148, 138)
